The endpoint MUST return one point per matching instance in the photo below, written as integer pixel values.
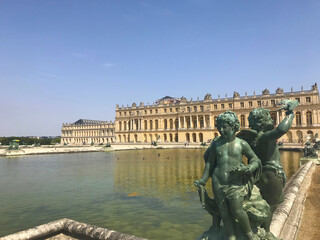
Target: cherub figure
(230, 177)
(263, 140)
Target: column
(197, 121)
(179, 122)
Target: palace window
(259, 103)
(308, 99)
(137, 112)
(309, 118)
(165, 110)
(177, 110)
(273, 102)
(201, 108)
(125, 113)
(250, 104)
(230, 105)
(242, 104)
(215, 121)
(188, 108)
(215, 106)
(145, 111)
(150, 111)
(274, 117)
(195, 108)
(298, 99)
(298, 118)
(222, 105)
(170, 109)
(156, 110)
(242, 121)
(120, 114)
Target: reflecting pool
(147, 193)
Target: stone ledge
(76, 229)
(286, 219)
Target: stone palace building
(181, 120)
(86, 131)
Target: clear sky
(61, 60)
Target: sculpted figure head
(260, 119)
(229, 118)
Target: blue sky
(61, 60)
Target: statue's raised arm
(265, 147)
(286, 123)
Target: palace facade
(181, 120)
(86, 131)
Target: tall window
(230, 105)
(250, 104)
(242, 121)
(274, 117)
(298, 118)
(259, 103)
(308, 99)
(242, 104)
(222, 106)
(309, 118)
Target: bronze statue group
(245, 195)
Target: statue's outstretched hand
(199, 182)
(289, 105)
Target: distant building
(86, 131)
(180, 120)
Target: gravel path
(310, 225)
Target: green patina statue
(14, 145)
(232, 184)
(310, 151)
(245, 212)
(263, 138)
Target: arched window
(165, 124)
(171, 124)
(187, 137)
(156, 123)
(242, 121)
(298, 118)
(309, 118)
(150, 123)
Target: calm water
(147, 193)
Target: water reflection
(162, 173)
(170, 173)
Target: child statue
(232, 181)
(263, 140)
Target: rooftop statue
(266, 92)
(240, 208)
(263, 138)
(236, 94)
(207, 96)
(279, 90)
